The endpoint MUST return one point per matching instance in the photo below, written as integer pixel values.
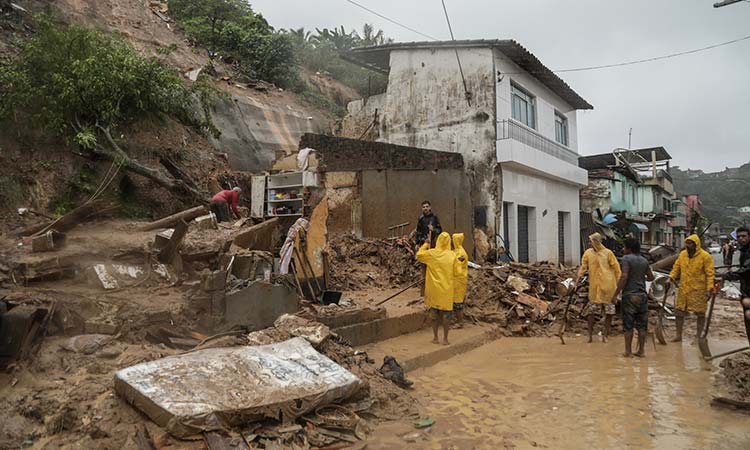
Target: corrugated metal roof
(608, 159)
(378, 58)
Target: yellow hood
(443, 241)
(596, 241)
(695, 239)
(458, 240)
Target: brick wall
(344, 154)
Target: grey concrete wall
(392, 197)
(258, 305)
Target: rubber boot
(679, 321)
(701, 319)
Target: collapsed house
(510, 117)
(633, 189)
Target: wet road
(523, 393)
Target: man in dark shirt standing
(742, 274)
(428, 228)
(634, 307)
(427, 222)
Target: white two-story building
(512, 119)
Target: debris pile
(735, 376)
(525, 299)
(359, 264)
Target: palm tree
(372, 37)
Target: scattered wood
(66, 222)
(220, 441)
(143, 439)
(166, 255)
(187, 215)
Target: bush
(76, 81)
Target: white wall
(426, 107)
(544, 195)
(546, 100)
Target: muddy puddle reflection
(521, 393)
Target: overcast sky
(696, 106)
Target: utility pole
(726, 3)
(630, 134)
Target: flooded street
(521, 393)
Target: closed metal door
(560, 237)
(523, 234)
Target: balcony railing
(509, 129)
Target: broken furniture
(219, 388)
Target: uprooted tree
(82, 85)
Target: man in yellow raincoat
(461, 278)
(438, 292)
(695, 270)
(604, 271)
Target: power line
(575, 69)
(406, 27)
(656, 58)
(467, 94)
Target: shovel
(660, 336)
(565, 314)
(703, 338)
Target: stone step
(377, 330)
(416, 351)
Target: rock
(86, 343)
(412, 437)
(100, 326)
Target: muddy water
(521, 393)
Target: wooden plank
(166, 255)
(166, 222)
(143, 439)
(257, 197)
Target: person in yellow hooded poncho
(604, 271)
(438, 292)
(695, 270)
(461, 277)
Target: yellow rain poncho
(696, 276)
(603, 269)
(440, 261)
(461, 278)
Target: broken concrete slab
(252, 264)
(313, 332)
(113, 276)
(258, 237)
(219, 388)
(258, 304)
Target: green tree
(231, 30)
(82, 85)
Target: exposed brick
(344, 154)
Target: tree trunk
(168, 221)
(117, 154)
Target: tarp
(222, 387)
